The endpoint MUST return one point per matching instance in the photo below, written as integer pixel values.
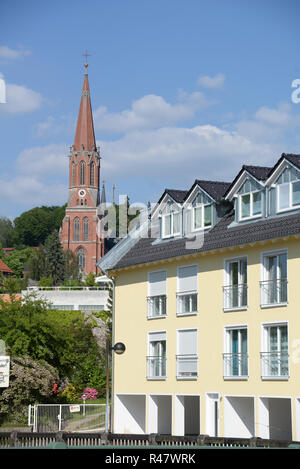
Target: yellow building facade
(212, 334)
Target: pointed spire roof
(85, 135)
(103, 195)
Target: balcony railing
(187, 303)
(156, 367)
(274, 364)
(235, 296)
(235, 365)
(157, 306)
(187, 366)
(273, 292)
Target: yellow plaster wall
(131, 327)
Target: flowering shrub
(90, 393)
(69, 391)
(30, 382)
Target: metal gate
(67, 417)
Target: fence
(65, 417)
(69, 440)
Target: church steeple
(85, 135)
(80, 228)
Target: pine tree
(54, 259)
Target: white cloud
(179, 155)
(31, 192)
(43, 161)
(269, 124)
(280, 117)
(150, 111)
(8, 53)
(211, 82)
(20, 99)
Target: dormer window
(288, 191)
(201, 212)
(171, 224)
(250, 205)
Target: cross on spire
(86, 55)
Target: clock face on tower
(81, 193)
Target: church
(80, 231)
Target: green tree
(17, 259)
(6, 232)
(72, 271)
(54, 259)
(90, 280)
(63, 340)
(32, 227)
(36, 264)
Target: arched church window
(85, 229)
(92, 174)
(82, 170)
(76, 229)
(73, 174)
(81, 258)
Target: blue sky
(181, 89)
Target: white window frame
(154, 296)
(191, 292)
(189, 378)
(172, 233)
(227, 278)
(291, 206)
(202, 227)
(265, 348)
(251, 216)
(227, 347)
(155, 378)
(264, 274)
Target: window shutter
(187, 342)
(157, 336)
(157, 283)
(187, 278)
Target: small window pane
(207, 215)
(176, 223)
(167, 225)
(256, 203)
(197, 217)
(296, 193)
(284, 196)
(245, 201)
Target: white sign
(74, 408)
(4, 371)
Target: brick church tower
(81, 224)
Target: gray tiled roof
(220, 236)
(259, 172)
(176, 194)
(224, 233)
(215, 189)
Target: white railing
(156, 367)
(63, 288)
(235, 296)
(235, 365)
(274, 364)
(273, 292)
